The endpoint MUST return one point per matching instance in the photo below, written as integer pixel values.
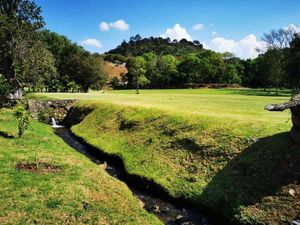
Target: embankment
(238, 169)
(44, 181)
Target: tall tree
(279, 39)
(167, 69)
(137, 67)
(293, 66)
(20, 21)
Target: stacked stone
(295, 132)
(57, 109)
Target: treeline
(167, 71)
(77, 69)
(159, 63)
(41, 60)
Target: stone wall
(44, 110)
(7, 103)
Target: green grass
(216, 148)
(81, 193)
(243, 104)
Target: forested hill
(160, 46)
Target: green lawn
(232, 103)
(216, 148)
(79, 193)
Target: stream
(167, 212)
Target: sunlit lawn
(79, 193)
(241, 104)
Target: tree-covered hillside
(163, 63)
(160, 46)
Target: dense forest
(160, 63)
(36, 59)
(160, 46)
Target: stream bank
(155, 200)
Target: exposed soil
(40, 167)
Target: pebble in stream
(166, 212)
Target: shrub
(45, 115)
(22, 115)
(5, 88)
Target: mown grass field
(215, 148)
(243, 104)
(80, 192)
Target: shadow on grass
(259, 171)
(6, 135)
(261, 92)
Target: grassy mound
(66, 188)
(243, 168)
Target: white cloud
(91, 43)
(293, 27)
(244, 48)
(177, 32)
(104, 26)
(117, 25)
(214, 33)
(198, 26)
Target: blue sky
(232, 25)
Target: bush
(22, 115)
(45, 115)
(5, 88)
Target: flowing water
(167, 212)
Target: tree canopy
(160, 46)
(42, 60)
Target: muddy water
(167, 212)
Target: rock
(292, 192)
(164, 209)
(296, 222)
(155, 208)
(104, 165)
(254, 140)
(41, 109)
(141, 203)
(181, 219)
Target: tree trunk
(137, 87)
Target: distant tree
(215, 67)
(74, 64)
(151, 67)
(167, 69)
(137, 67)
(232, 75)
(191, 69)
(293, 65)
(279, 39)
(274, 67)
(87, 71)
